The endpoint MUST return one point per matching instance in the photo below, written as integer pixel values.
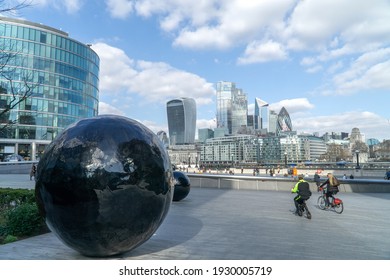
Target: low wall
(281, 184)
(18, 167)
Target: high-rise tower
(232, 107)
(284, 122)
(181, 113)
(261, 114)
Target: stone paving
(247, 225)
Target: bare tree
(12, 9)
(383, 150)
(336, 153)
(360, 146)
(8, 62)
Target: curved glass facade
(47, 82)
(284, 122)
(181, 113)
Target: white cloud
(116, 68)
(204, 123)
(159, 81)
(234, 23)
(71, 6)
(369, 123)
(369, 71)
(154, 126)
(292, 106)
(107, 109)
(258, 52)
(119, 8)
(154, 81)
(376, 77)
(314, 24)
(334, 31)
(314, 69)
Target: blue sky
(326, 61)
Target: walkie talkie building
(181, 113)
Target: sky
(326, 61)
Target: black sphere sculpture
(182, 185)
(104, 185)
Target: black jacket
(329, 187)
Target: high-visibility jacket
(302, 188)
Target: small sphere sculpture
(182, 185)
(104, 185)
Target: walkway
(242, 225)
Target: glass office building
(261, 114)
(181, 113)
(224, 105)
(284, 123)
(47, 82)
(232, 107)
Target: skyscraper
(261, 114)
(284, 122)
(232, 107)
(272, 122)
(224, 105)
(181, 113)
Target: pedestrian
(351, 177)
(317, 180)
(387, 176)
(33, 171)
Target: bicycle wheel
(339, 208)
(308, 214)
(321, 202)
(300, 211)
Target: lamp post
(357, 159)
(232, 160)
(285, 159)
(189, 160)
(196, 161)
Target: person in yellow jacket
(302, 189)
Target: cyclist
(331, 186)
(302, 189)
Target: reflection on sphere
(182, 185)
(104, 185)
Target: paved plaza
(241, 225)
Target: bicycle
(302, 208)
(335, 203)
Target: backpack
(304, 190)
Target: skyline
(326, 61)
